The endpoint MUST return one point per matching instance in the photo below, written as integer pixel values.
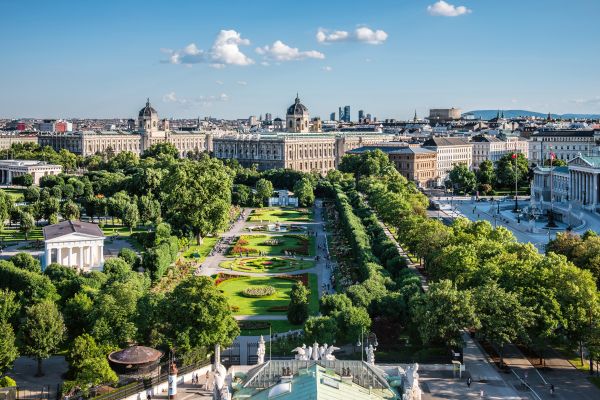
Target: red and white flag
(552, 156)
(514, 155)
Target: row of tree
(483, 279)
(490, 176)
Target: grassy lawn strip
(266, 264)
(255, 328)
(12, 235)
(200, 252)
(242, 305)
(121, 231)
(276, 214)
(274, 245)
(15, 194)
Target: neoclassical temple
(576, 184)
(75, 244)
(10, 169)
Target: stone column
(80, 259)
(70, 260)
(48, 259)
(101, 250)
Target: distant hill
(489, 114)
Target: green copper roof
(594, 161)
(315, 382)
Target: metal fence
(42, 393)
(136, 387)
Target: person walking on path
(469, 382)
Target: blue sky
(234, 59)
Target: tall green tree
(196, 196)
(8, 348)
(304, 190)
(321, 328)
(26, 224)
(131, 217)
(297, 311)
(196, 315)
(42, 331)
(6, 204)
(70, 210)
(264, 190)
(442, 312)
(503, 318)
(462, 178)
(486, 175)
(505, 170)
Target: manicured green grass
(12, 235)
(200, 252)
(266, 245)
(16, 194)
(277, 214)
(277, 326)
(121, 231)
(266, 264)
(233, 288)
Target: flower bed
(221, 277)
(301, 277)
(259, 291)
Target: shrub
(259, 291)
(7, 381)
(234, 308)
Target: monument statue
(260, 352)
(315, 352)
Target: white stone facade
(82, 252)
(565, 144)
(10, 169)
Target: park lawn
(266, 264)
(12, 235)
(200, 252)
(288, 242)
(262, 327)
(233, 288)
(277, 214)
(121, 231)
(15, 194)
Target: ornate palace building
(298, 148)
(149, 131)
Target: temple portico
(75, 244)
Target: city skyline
(70, 59)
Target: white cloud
(327, 68)
(170, 98)
(361, 34)
(335, 36)
(200, 101)
(219, 82)
(280, 51)
(242, 83)
(443, 9)
(592, 100)
(370, 36)
(224, 51)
